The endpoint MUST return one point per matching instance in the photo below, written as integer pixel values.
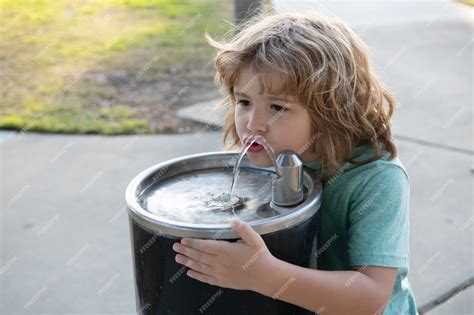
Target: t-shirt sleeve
(378, 220)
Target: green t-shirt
(364, 221)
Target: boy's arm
(366, 291)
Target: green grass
(48, 47)
(67, 119)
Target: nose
(258, 121)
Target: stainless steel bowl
(282, 218)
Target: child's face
(264, 114)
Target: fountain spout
(287, 189)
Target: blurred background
(94, 92)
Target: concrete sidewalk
(65, 230)
(64, 225)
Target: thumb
(246, 232)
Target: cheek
(240, 121)
(240, 124)
(295, 131)
(304, 124)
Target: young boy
(304, 83)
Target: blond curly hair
(325, 65)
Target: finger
(190, 263)
(207, 246)
(246, 232)
(195, 254)
(202, 277)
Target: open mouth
(255, 147)
(254, 143)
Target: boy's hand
(238, 265)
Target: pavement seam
(446, 296)
(435, 145)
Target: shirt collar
(356, 152)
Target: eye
(279, 108)
(243, 103)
